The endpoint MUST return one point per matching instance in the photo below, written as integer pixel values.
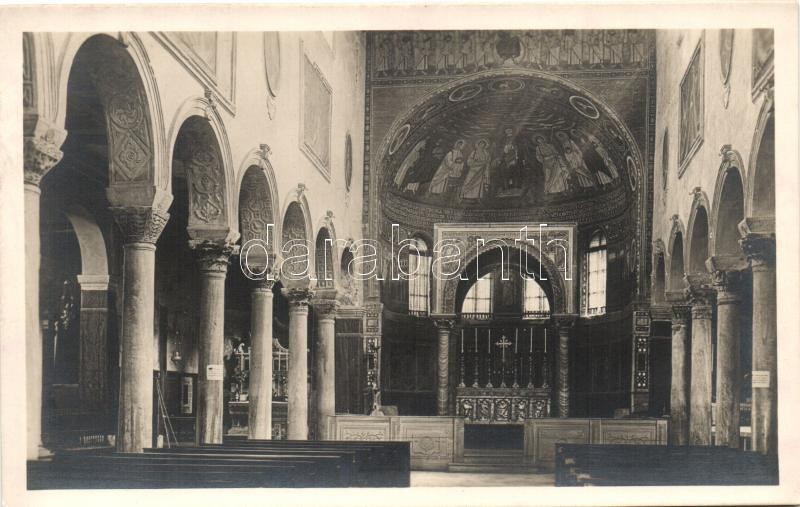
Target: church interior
(544, 257)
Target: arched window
(594, 276)
(478, 302)
(535, 304)
(419, 281)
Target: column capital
(564, 322)
(726, 275)
(325, 308)
(680, 316)
(699, 291)
(213, 256)
(758, 241)
(298, 297)
(42, 150)
(140, 224)
(264, 285)
(444, 324)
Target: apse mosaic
(507, 140)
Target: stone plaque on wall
(315, 116)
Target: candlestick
(545, 340)
(516, 337)
(477, 360)
(531, 340)
(462, 341)
(476, 340)
(489, 343)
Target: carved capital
(565, 323)
(140, 224)
(759, 249)
(726, 275)
(444, 324)
(264, 285)
(680, 316)
(212, 256)
(326, 308)
(42, 153)
(699, 291)
(298, 297)
(758, 241)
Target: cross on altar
(503, 343)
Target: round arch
(201, 107)
(659, 277)
(94, 255)
(140, 78)
(760, 199)
(257, 157)
(700, 227)
(676, 256)
(559, 303)
(296, 225)
(326, 231)
(729, 203)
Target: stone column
(759, 247)
(297, 381)
(562, 379)
(260, 391)
(42, 152)
(726, 282)
(679, 390)
(212, 263)
(443, 328)
(141, 227)
(700, 297)
(325, 361)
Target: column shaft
(700, 397)
(765, 360)
(563, 372)
(135, 419)
(679, 391)
(728, 344)
(297, 379)
(324, 371)
(33, 330)
(260, 390)
(442, 370)
(213, 263)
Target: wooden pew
(165, 470)
(648, 465)
(384, 463)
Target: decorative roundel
(465, 92)
(584, 106)
(399, 138)
(348, 161)
(631, 172)
(615, 133)
(507, 85)
(272, 61)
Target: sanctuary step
(505, 461)
(656, 465)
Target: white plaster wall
(734, 125)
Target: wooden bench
(654, 465)
(389, 463)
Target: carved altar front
(502, 405)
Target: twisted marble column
(443, 328)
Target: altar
(504, 373)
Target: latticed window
(594, 276)
(535, 303)
(419, 281)
(479, 297)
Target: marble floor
(448, 479)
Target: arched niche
(256, 219)
(762, 168)
(296, 248)
(488, 259)
(324, 259)
(698, 241)
(677, 270)
(659, 272)
(728, 206)
(199, 167)
(349, 286)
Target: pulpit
(504, 373)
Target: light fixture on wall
(176, 353)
